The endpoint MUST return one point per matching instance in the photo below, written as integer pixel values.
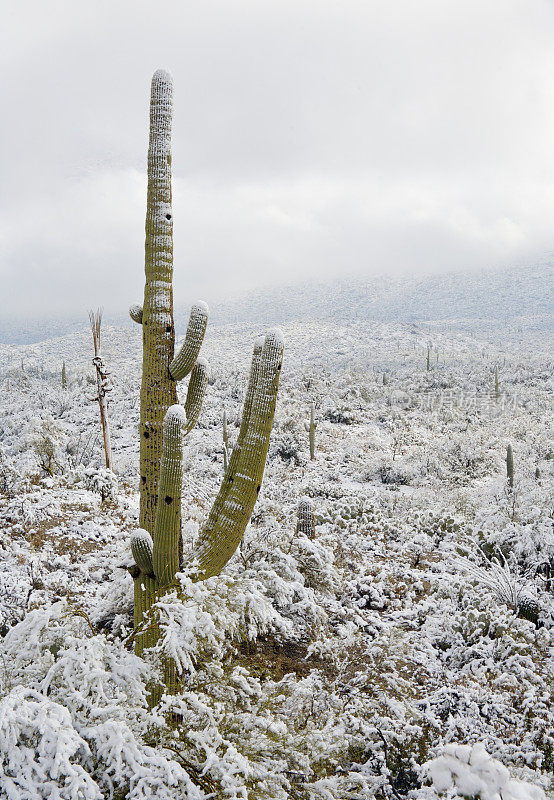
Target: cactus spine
(510, 466)
(157, 545)
(310, 428)
(306, 518)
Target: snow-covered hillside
(407, 650)
(514, 303)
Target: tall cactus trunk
(158, 391)
(157, 545)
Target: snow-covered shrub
(96, 479)
(41, 753)
(465, 771)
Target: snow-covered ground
(406, 651)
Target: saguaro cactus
(310, 428)
(102, 384)
(225, 441)
(306, 518)
(510, 466)
(64, 376)
(496, 384)
(156, 546)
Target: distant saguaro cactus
(510, 466)
(225, 435)
(102, 384)
(311, 428)
(306, 518)
(496, 384)
(428, 359)
(64, 376)
(156, 546)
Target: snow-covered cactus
(306, 518)
(185, 359)
(142, 549)
(164, 423)
(496, 384)
(167, 531)
(310, 428)
(135, 312)
(64, 376)
(510, 466)
(428, 359)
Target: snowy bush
(464, 771)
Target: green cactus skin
(232, 509)
(311, 428)
(198, 384)
(306, 518)
(135, 312)
(158, 391)
(185, 359)
(166, 550)
(510, 466)
(164, 423)
(141, 548)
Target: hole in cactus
(168, 500)
(168, 328)
(258, 487)
(146, 435)
(168, 216)
(143, 478)
(279, 367)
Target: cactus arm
(167, 532)
(141, 548)
(135, 312)
(187, 356)
(233, 506)
(158, 390)
(255, 366)
(195, 394)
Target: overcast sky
(310, 139)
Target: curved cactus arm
(195, 394)
(167, 530)
(306, 518)
(187, 356)
(230, 514)
(135, 312)
(141, 548)
(232, 461)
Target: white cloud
(310, 138)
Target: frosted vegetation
(406, 651)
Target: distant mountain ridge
(518, 293)
(522, 296)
